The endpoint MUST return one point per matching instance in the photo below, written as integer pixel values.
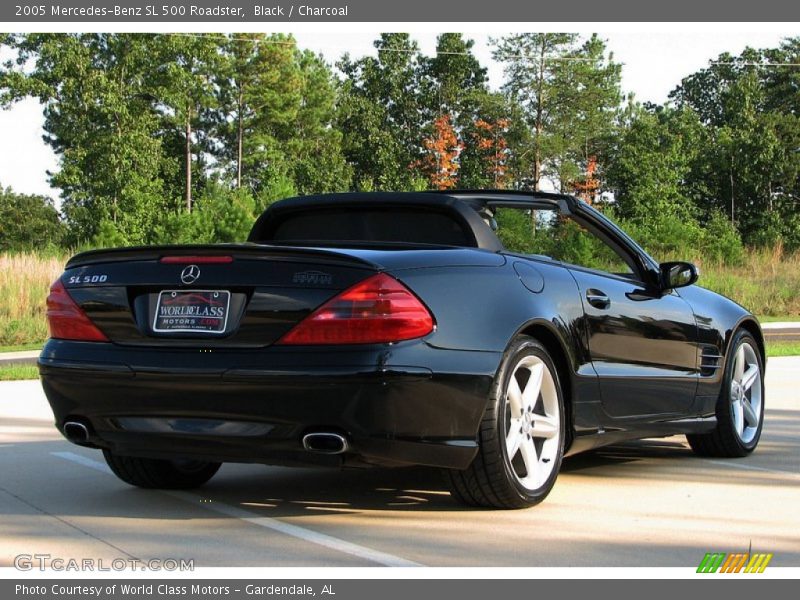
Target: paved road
(649, 503)
(781, 332)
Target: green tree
(585, 111)
(221, 215)
(651, 162)
(28, 222)
(452, 78)
(569, 92)
(749, 167)
(532, 62)
(261, 89)
(313, 145)
(454, 85)
(99, 119)
(185, 93)
(379, 114)
(651, 172)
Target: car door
(643, 345)
(642, 339)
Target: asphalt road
(781, 332)
(649, 503)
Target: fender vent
(710, 361)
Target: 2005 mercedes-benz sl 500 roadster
(489, 333)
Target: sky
(654, 62)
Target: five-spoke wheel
(521, 436)
(533, 422)
(746, 393)
(740, 408)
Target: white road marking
(387, 560)
(726, 463)
(321, 539)
(86, 462)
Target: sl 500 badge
(76, 279)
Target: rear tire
(740, 407)
(154, 473)
(521, 437)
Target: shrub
(108, 236)
(721, 242)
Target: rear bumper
(256, 405)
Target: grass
(779, 319)
(18, 372)
(21, 347)
(775, 349)
(767, 282)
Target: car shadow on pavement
(625, 453)
(288, 492)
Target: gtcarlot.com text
(42, 562)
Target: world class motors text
(164, 589)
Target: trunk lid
(240, 295)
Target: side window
(546, 232)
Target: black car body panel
(648, 366)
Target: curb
(19, 358)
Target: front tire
(521, 437)
(154, 473)
(740, 407)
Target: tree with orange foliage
(491, 142)
(586, 189)
(443, 149)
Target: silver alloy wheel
(532, 422)
(745, 393)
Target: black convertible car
(488, 333)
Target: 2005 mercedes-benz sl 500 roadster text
(489, 333)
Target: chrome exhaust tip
(76, 432)
(325, 443)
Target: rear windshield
(411, 226)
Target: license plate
(192, 311)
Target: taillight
(375, 311)
(66, 320)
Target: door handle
(598, 299)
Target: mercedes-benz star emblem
(190, 274)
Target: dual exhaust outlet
(319, 442)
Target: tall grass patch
(24, 282)
(766, 281)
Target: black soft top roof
(462, 211)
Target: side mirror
(677, 274)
